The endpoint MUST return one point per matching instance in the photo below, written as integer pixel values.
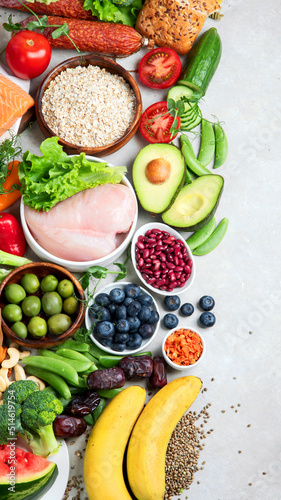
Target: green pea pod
(188, 176)
(54, 366)
(207, 146)
(99, 409)
(192, 162)
(90, 357)
(89, 420)
(184, 140)
(49, 388)
(65, 402)
(55, 380)
(78, 365)
(69, 353)
(73, 344)
(76, 390)
(221, 145)
(96, 351)
(201, 235)
(109, 393)
(107, 361)
(212, 242)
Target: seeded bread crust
(174, 23)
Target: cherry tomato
(155, 123)
(160, 68)
(28, 54)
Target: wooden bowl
(42, 269)
(112, 67)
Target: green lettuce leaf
(55, 176)
(105, 10)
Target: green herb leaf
(11, 26)
(123, 273)
(34, 25)
(180, 107)
(171, 104)
(98, 272)
(62, 30)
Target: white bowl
(158, 225)
(79, 266)
(144, 344)
(181, 367)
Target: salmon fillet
(14, 102)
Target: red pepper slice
(11, 235)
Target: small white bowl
(181, 367)
(144, 344)
(80, 266)
(163, 227)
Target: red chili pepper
(11, 235)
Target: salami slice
(67, 8)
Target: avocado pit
(158, 171)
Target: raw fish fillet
(86, 225)
(14, 102)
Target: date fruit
(108, 378)
(136, 366)
(65, 426)
(159, 377)
(84, 404)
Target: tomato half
(28, 54)
(160, 68)
(155, 123)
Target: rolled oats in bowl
(89, 106)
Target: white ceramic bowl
(79, 266)
(180, 367)
(144, 344)
(158, 225)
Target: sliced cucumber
(179, 91)
(191, 123)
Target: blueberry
(170, 321)
(132, 290)
(134, 323)
(172, 302)
(144, 314)
(105, 329)
(154, 318)
(121, 337)
(206, 303)
(95, 312)
(105, 315)
(134, 342)
(207, 319)
(118, 346)
(106, 342)
(128, 301)
(134, 308)
(117, 295)
(103, 299)
(187, 309)
(112, 308)
(121, 312)
(146, 330)
(122, 326)
(145, 299)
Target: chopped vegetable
(55, 176)
(10, 189)
(184, 347)
(11, 235)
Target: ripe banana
(150, 437)
(103, 463)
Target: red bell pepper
(11, 235)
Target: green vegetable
(34, 413)
(202, 62)
(71, 354)
(73, 344)
(77, 365)
(9, 151)
(212, 242)
(191, 160)
(54, 366)
(109, 393)
(201, 235)
(207, 146)
(55, 176)
(221, 145)
(107, 361)
(55, 380)
(99, 409)
(89, 420)
(106, 10)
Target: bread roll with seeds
(174, 23)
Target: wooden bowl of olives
(41, 305)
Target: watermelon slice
(24, 475)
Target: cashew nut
(3, 384)
(4, 375)
(14, 358)
(24, 354)
(19, 372)
(39, 382)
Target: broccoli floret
(10, 422)
(19, 390)
(39, 410)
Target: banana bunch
(152, 429)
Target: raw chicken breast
(86, 225)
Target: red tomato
(28, 54)
(155, 123)
(160, 68)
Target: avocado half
(158, 175)
(196, 203)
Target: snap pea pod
(82, 383)
(201, 235)
(65, 402)
(191, 160)
(212, 242)
(96, 351)
(221, 148)
(89, 420)
(108, 361)
(49, 388)
(207, 146)
(76, 390)
(188, 176)
(99, 409)
(55, 380)
(109, 393)
(77, 365)
(69, 353)
(73, 344)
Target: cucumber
(178, 92)
(189, 124)
(202, 62)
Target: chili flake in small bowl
(183, 348)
